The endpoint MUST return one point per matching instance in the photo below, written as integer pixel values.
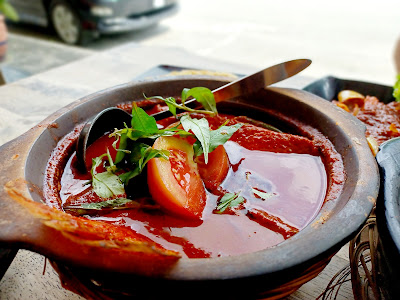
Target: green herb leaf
(135, 135)
(97, 162)
(217, 137)
(125, 177)
(173, 131)
(184, 95)
(396, 89)
(221, 135)
(108, 205)
(119, 203)
(202, 95)
(107, 184)
(201, 130)
(123, 142)
(171, 103)
(262, 195)
(229, 200)
(140, 155)
(94, 208)
(141, 121)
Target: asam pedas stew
(200, 184)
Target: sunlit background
(346, 39)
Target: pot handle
(37, 227)
(17, 225)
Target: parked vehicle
(79, 21)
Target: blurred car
(79, 21)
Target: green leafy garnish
(217, 137)
(229, 200)
(140, 155)
(141, 121)
(119, 203)
(202, 95)
(261, 194)
(136, 154)
(396, 89)
(106, 184)
(123, 143)
(201, 130)
(107, 205)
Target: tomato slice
(215, 171)
(175, 183)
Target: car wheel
(66, 22)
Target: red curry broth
(291, 168)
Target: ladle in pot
(113, 117)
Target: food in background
(382, 120)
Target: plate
(170, 70)
(329, 87)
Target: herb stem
(184, 107)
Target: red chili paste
(299, 173)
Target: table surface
(25, 103)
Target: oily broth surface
(297, 183)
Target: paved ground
(349, 39)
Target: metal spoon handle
(252, 83)
(261, 79)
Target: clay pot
(273, 272)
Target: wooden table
(26, 102)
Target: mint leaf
(94, 208)
(125, 177)
(141, 121)
(107, 184)
(221, 135)
(171, 103)
(396, 89)
(201, 130)
(140, 155)
(119, 203)
(202, 95)
(229, 200)
(261, 194)
(135, 135)
(123, 142)
(217, 137)
(184, 95)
